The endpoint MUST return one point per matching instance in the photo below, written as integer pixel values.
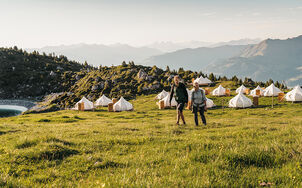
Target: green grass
(144, 148)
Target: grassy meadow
(144, 148)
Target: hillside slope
(270, 59)
(28, 75)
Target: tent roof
(240, 101)
(272, 90)
(202, 80)
(88, 105)
(122, 105)
(219, 91)
(162, 94)
(103, 100)
(253, 92)
(167, 101)
(295, 94)
(242, 88)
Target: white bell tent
(88, 105)
(241, 89)
(219, 91)
(167, 101)
(103, 101)
(240, 101)
(253, 92)
(271, 90)
(203, 81)
(122, 105)
(162, 95)
(294, 95)
(210, 103)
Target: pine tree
(168, 69)
(212, 77)
(235, 79)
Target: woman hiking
(179, 91)
(199, 103)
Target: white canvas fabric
(190, 93)
(271, 90)
(88, 105)
(294, 95)
(103, 101)
(167, 101)
(203, 81)
(122, 105)
(253, 92)
(210, 103)
(219, 91)
(240, 101)
(162, 95)
(241, 89)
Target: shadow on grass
(130, 129)
(51, 152)
(108, 164)
(26, 144)
(56, 140)
(254, 158)
(10, 131)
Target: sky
(38, 23)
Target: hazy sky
(37, 23)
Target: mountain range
(107, 55)
(194, 59)
(260, 60)
(271, 59)
(98, 54)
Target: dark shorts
(180, 106)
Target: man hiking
(199, 103)
(179, 91)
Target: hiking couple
(198, 98)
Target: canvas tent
(253, 92)
(88, 105)
(210, 103)
(240, 101)
(103, 101)
(294, 95)
(203, 81)
(271, 90)
(241, 89)
(167, 101)
(162, 95)
(219, 91)
(122, 105)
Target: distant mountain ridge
(237, 42)
(98, 54)
(115, 54)
(169, 46)
(194, 59)
(271, 59)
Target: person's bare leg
(177, 117)
(182, 117)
